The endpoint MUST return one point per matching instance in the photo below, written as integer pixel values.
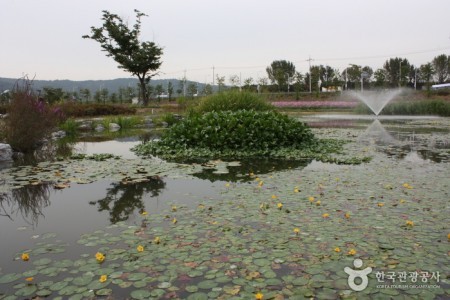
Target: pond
(215, 229)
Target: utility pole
(213, 75)
(184, 85)
(309, 60)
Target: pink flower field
(315, 104)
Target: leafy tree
(441, 66)
(380, 78)
(52, 95)
(426, 73)
(220, 82)
(191, 89)
(207, 90)
(159, 90)
(113, 98)
(397, 70)
(170, 90)
(248, 83)
(85, 94)
(281, 72)
(234, 80)
(141, 59)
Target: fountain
(376, 100)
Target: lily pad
(10, 277)
(140, 294)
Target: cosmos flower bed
(315, 104)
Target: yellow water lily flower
(261, 183)
(311, 199)
(406, 185)
(296, 190)
(380, 204)
(144, 213)
(201, 206)
(259, 296)
(280, 205)
(174, 221)
(402, 200)
(448, 236)
(99, 257)
(274, 197)
(227, 184)
(296, 230)
(409, 223)
(337, 249)
(25, 256)
(351, 252)
(29, 279)
(347, 215)
(103, 278)
(318, 203)
(140, 248)
(174, 208)
(325, 215)
(157, 240)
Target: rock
(58, 134)
(85, 126)
(99, 128)
(114, 127)
(6, 152)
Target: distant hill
(112, 85)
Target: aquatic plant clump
(244, 131)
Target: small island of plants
(240, 125)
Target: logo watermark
(391, 280)
(353, 274)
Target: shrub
(243, 132)
(233, 101)
(30, 119)
(75, 110)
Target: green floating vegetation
(243, 134)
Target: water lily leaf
(10, 277)
(207, 284)
(198, 296)
(82, 280)
(137, 276)
(58, 285)
(103, 292)
(140, 294)
(42, 261)
(44, 293)
(26, 291)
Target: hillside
(112, 85)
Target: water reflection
(28, 202)
(403, 143)
(122, 199)
(241, 172)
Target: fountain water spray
(376, 100)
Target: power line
(309, 60)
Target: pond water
(223, 234)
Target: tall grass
(123, 122)
(233, 101)
(416, 107)
(70, 126)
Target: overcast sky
(42, 38)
